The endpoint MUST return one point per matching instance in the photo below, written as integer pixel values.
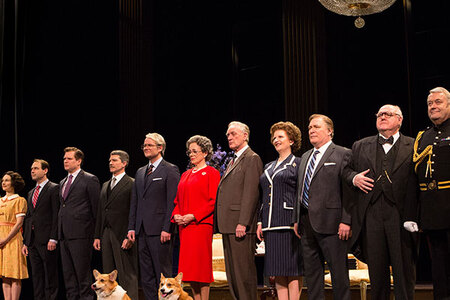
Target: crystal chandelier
(357, 8)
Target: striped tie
(35, 195)
(309, 172)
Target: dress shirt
(155, 164)
(387, 146)
(239, 153)
(318, 157)
(74, 175)
(118, 178)
(41, 186)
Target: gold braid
(418, 158)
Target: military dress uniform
(432, 165)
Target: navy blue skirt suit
(279, 193)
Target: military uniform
(432, 164)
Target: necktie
(36, 195)
(383, 141)
(308, 177)
(231, 162)
(67, 188)
(113, 183)
(150, 170)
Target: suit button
(64, 205)
(270, 195)
(106, 209)
(270, 186)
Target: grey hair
(159, 140)
(243, 127)
(204, 143)
(124, 157)
(440, 90)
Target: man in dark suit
(383, 175)
(321, 212)
(111, 229)
(432, 159)
(152, 203)
(41, 232)
(235, 213)
(79, 193)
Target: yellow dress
(13, 263)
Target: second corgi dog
(171, 289)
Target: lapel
(235, 163)
(369, 149)
(116, 190)
(324, 158)
(302, 167)
(283, 166)
(77, 179)
(41, 194)
(403, 153)
(149, 179)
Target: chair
(218, 262)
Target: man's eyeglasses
(147, 145)
(385, 114)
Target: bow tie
(383, 141)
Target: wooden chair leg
(363, 290)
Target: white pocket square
(155, 179)
(329, 164)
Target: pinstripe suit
(279, 187)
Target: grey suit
(378, 234)
(76, 224)
(112, 228)
(319, 224)
(236, 203)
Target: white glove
(411, 226)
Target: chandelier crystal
(357, 8)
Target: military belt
(434, 185)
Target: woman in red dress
(194, 207)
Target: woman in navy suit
(283, 258)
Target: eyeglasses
(385, 114)
(195, 152)
(147, 145)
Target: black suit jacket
(77, 213)
(152, 199)
(404, 182)
(114, 211)
(44, 217)
(327, 206)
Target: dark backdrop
(100, 74)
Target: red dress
(196, 195)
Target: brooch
(203, 173)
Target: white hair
(243, 127)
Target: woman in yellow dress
(13, 264)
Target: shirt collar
(395, 136)
(42, 184)
(239, 153)
(324, 147)
(155, 164)
(119, 177)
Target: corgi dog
(171, 289)
(106, 286)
